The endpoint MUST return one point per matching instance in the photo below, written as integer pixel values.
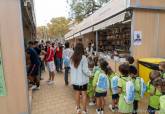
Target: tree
(79, 9)
(58, 27)
(42, 32)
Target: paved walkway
(57, 98)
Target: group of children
(126, 88)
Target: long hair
(77, 55)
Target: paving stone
(59, 99)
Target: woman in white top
(80, 76)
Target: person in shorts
(50, 62)
(80, 77)
(101, 85)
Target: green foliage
(79, 9)
(57, 28)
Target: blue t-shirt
(34, 58)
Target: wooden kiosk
(130, 27)
(14, 98)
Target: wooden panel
(11, 38)
(161, 44)
(147, 22)
(149, 3)
(152, 25)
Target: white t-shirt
(67, 53)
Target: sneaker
(78, 110)
(48, 81)
(33, 87)
(38, 88)
(112, 109)
(102, 112)
(91, 103)
(84, 112)
(116, 108)
(98, 111)
(51, 82)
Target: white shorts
(51, 66)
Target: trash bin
(146, 65)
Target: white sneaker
(110, 107)
(91, 103)
(48, 80)
(78, 110)
(51, 82)
(102, 112)
(84, 112)
(38, 88)
(33, 87)
(98, 112)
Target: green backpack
(162, 105)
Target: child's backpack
(103, 82)
(163, 75)
(114, 84)
(66, 62)
(143, 87)
(130, 92)
(95, 69)
(162, 104)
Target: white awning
(76, 35)
(116, 19)
(110, 9)
(87, 31)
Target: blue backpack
(66, 62)
(143, 87)
(114, 84)
(130, 92)
(103, 82)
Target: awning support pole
(97, 38)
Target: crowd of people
(93, 79)
(39, 55)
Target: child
(125, 106)
(162, 69)
(113, 79)
(130, 60)
(137, 82)
(154, 92)
(101, 85)
(90, 90)
(161, 84)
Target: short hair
(154, 74)
(130, 59)
(66, 44)
(124, 69)
(133, 70)
(162, 64)
(48, 42)
(31, 43)
(35, 42)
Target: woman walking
(80, 77)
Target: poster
(2, 81)
(137, 38)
